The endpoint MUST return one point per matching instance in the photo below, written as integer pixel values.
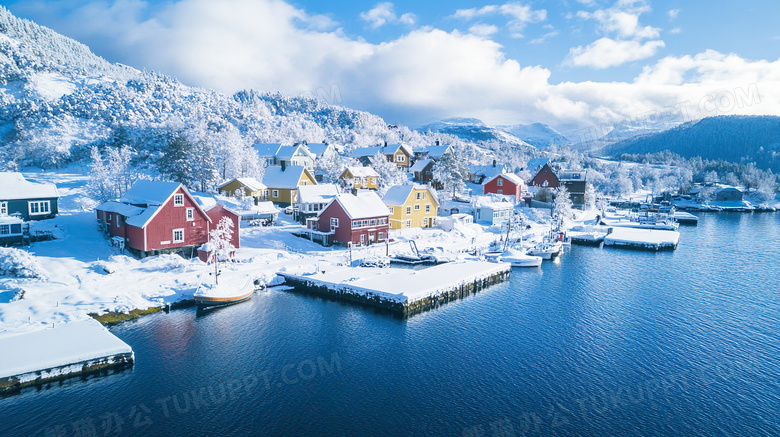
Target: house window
(499, 182)
(381, 236)
(3, 208)
(190, 214)
(372, 181)
(305, 183)
(178, 200)
(425, 196)
(178, 235)
(39, 207)
(427, 208)
(419, 194)
(362, 238)
(500, 190)
(401, 158)
(275, 193)
(416, 207)
(408, 223)
(5, 229)
(373, 222)
(408, 210)
(117, 220)
(334, 223)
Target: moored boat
(227, 292)
(519, 259)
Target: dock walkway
(402, 291)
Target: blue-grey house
(26, 200)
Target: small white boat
(547, 250)
(226, 291)
(519, 259)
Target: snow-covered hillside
(538, 135)
(472, 129)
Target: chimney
(437, 142)
(385, 143)
(284, 166)
(494, 163)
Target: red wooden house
(545, 177)
(508, 184)
(360, 219)
(157, 217)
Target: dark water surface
(604, 343)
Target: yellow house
(360, 178)
(250, 186)
(411, 206)
(283, 182)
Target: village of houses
(151, 247)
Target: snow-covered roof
(365, 204)
(10, 220)
(362, 172)
(722, 189)
(251, 183)
(14, 186)
(420, 165)
(486, 170)
(287, 152)
(275, 177)
(266, 207)
(392, 148)
(266, 149)
(367, 151)
(120, 208)
(536, 163)
(571, 175)
(434, 151)
(515, 179)
(145, 192)
(317, 193)
(317, 149)
(398, 194)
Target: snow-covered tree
(449, 171)
(331, 168)
(100, 184)
(590, 197)
(562, 205)
(389, 173)
(220, 243)
(120, 172)
(175, 164)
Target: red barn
(545, 177)
(508, 184)
(360, 219)
(157, 217)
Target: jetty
(645, 239)
(403, 292)
(71, 349)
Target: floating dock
(644, 239)
(402, 291)
(71, 349)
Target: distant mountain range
(730, 138)
(472, 129)
(538, 135)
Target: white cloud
(673, 13)
(519, 15)
(483, 29)
(384, 13)
(544, 37)
(675, 30)
(624, 23)
(607, 52)
(428, 73)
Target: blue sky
(566, 63)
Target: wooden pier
(403, 292)
(642, 239)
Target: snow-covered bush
(19, 264)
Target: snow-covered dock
(402, 291)
(646, 239)
(72, 349)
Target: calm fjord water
(604, 343)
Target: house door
(371, 238)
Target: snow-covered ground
(69, 276)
